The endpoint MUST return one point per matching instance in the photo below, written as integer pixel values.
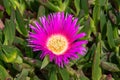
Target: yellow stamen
(57, 44)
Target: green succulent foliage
(100, 19)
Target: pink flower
(57, 36)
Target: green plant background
(100, 19)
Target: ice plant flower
(57, 36)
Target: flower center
(57, 44)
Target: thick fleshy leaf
(50, 5)
(18, 4)
(18, 60)
(4, 74)
(117, 42)
(64, 73)
(8, 54)
(53, 75)
(90, 52)
(34, 62)
(92, 25)
(110, 35)
(35, 78)
(9, 30)
(45, 62)
(85, 28)
(83, 78)
(21, 24)
(41, 11)
(77, 6)
(84, 6)
(23, 75)
(103, 24)
(20, 67)
(110, 66)
(7, 6)
(96, 70)
(96, 12)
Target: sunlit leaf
(96, 70)
(8, 54)
(41, 11)
(7, 6)
(45, 62)
(77, 6)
